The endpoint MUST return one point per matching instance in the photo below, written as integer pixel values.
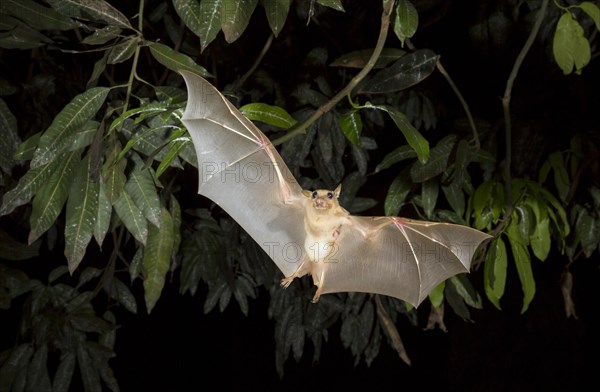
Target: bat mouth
(321, 205)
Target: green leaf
(91, 9)
(563, 224)
(27, 186)
(99, 68)
(10, 141)
(399, 154)
(494, 271)
(561, 176)
(570, 47)
(142, 190)
(429, 195)
(11, 249)
(27, 148)
(406, 21)
(360, 58)
(515, 230)
(436, 296)
(102, 36)
(38, 378)
(89, 372)
(269, 114)
(122, 51)
(593, 12)
(465, 289)
(49, 201)
(588, 231)
(123, 295)
(190, 13)
(175, 211)
(436, 164)
(64, 372)
(456, 302)
(335, 4)
(276, 12)
(157, 258)
(178, 141)
(523, 264)
(132, 217)
(210, 22)
(85, 321)
(351, 124)
(482, 197)
(135, 268)
(56, 139)
(57, 273)
(113, 172)
(404, 73)
(19, 35)
(107, 339)
(455, 197)
(235, 17)
(176, 61)
(540, 239)
(412, 135)
(36, 15)
(18, 360)
(104, 214)
(82, 210)
(463, 157)
(397, 193)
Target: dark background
(177, 347)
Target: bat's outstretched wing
(398, 257)
(241, 171)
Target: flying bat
(308, 231)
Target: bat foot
(287, 281)
(317, 296)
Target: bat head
(324, 199)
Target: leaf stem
(391, 330)
(388, 6)
(136, 56)
(506, 103)
(141, 17)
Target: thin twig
(506, 103)
(258, 60)
(454, 87)
(385, 23)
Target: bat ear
(306, 193)
(337, 191)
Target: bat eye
(314, 194)
(330, 195)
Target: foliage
(107, 178)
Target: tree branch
(388, 5)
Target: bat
(309, 232)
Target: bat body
(308, 232)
